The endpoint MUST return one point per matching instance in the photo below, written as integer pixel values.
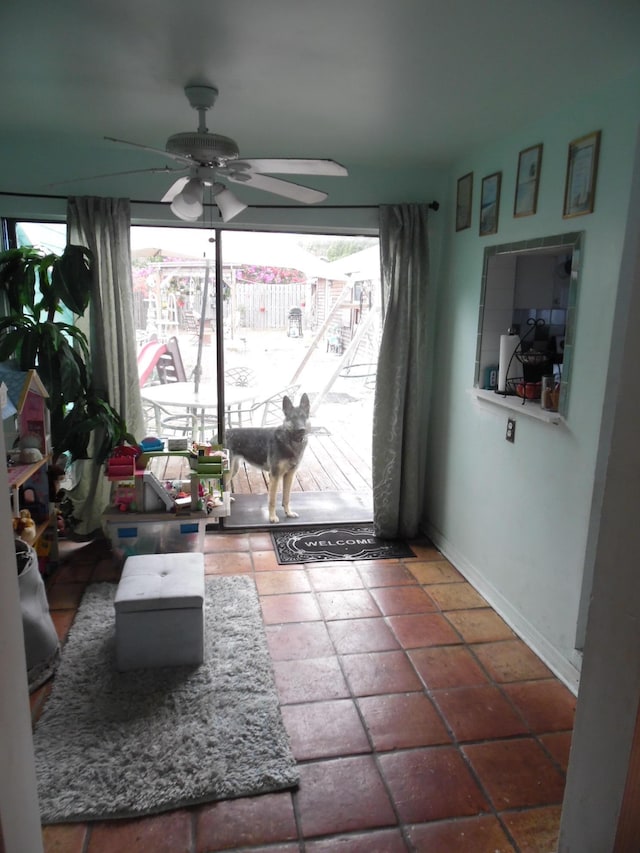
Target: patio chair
(241, 377)
(259, 412)
(192, 324)
(240, 414)
(269, 412)
(172, 424)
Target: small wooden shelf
(530, 409)
(18, 476)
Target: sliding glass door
(297, 320)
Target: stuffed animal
(25, 527)
(30, 449)
(29, 455)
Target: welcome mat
(343, 542)
(124, 744)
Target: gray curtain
(103, 226)
(400, 413)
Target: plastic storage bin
(134, 533)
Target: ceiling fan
(208, 159)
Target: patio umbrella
(197, 370)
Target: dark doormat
(342, 542)
(314, 509)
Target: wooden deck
(338, 455)
(333, 462)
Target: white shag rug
(114, 745)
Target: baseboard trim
(564, 669)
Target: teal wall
(515, 517)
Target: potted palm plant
(38, 333)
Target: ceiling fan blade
(175, 188)
(156, 170)
(291, 166)
(284, 188)
(188, 161)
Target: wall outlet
(511, 430)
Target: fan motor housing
(203, 147)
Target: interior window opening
(527, 320)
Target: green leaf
(49, 298)
(9, 344)
(72, 278)
(78, 338)
(59, 351)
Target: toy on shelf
(147, 479)
(155, 497)
(124, 497)
(29, 450)
(151, 444)
(122, 462)
(25, 527)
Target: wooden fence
(266, 306)
(253, 305)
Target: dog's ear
(304, 405)
(287, 405)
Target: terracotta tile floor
(419, 720)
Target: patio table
(203, 405)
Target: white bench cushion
(161, 582)
(159, 611)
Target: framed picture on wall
(463, 202)
(582, 170)
(490, 204)
(526, 200)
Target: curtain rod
(434, 205)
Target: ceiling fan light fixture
(228, 205)
(206, 157)
(193, 191)
(187, 204)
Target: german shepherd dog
(277, 450)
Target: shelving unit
(35, 476)
(26, 416)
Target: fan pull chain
(212, 238)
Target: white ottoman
(159, 611)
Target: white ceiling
(374, 84)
